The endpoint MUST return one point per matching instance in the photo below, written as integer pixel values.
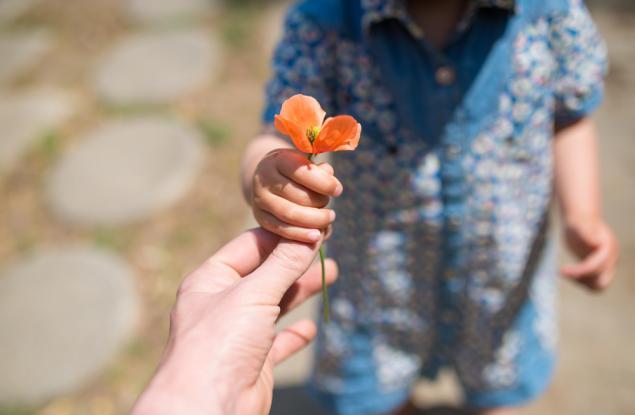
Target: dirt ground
(596, 374)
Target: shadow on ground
(293, 400)
(614, 5)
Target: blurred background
(122, 124)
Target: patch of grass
(14, 410)
(180, 239)
(133, 109)
(109, 239)
(239, 22)
(215, 132)
(50, 144)
(25, 244)
(138, 349)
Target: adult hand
(223, 346)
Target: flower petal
(338, 134)
(303, 110)
(295, 132)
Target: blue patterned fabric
(441, 235)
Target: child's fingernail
(315, 235)
(338, 189)
(332, 215)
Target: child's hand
(594, 243)
(289, 195)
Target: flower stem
(325, 293)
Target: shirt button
(445, 75)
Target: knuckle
(264, 221)
(292, 214)
(285, 189)
(291, 256)
(258, 199)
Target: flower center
(312, 134)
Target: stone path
(155, 68)
(20, 51)
(66, 312)
(166, 11)
(63, 314)
(124, 171)
(26, 115)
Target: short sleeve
(581, 64)
(303, 63)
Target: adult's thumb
(287, 262)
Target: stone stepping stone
(64, 313)
(12, 9)
(25, 116)
(125, 171)
(165, 11)
(21, 51)
(155, 68)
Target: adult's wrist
(178, 387)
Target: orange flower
(302, 119)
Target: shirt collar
(375, 11)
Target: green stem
(325, 293)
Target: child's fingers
(328, 233)
(327, 168)
(608, 274)
(293, 213)
(592, 265)
(602, 282)
(296, 193)
(310, 176)
(294, 233)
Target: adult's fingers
(309, 175)
(292, 339)
(309, 284)
(284, 266)
(237, 258)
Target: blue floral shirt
(441, 232)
